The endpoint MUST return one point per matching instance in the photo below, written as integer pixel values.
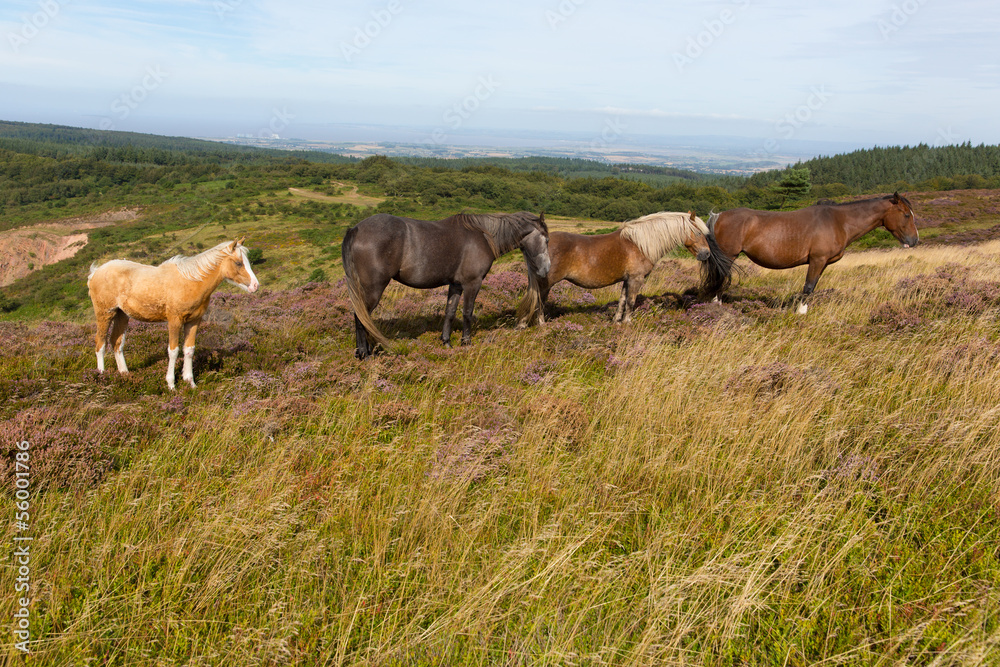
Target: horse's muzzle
(542, 265)
(703, 255)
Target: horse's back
(589, 260)
(775, 239)
(418, 253)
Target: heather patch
(893, 317)
(63, 455)
(949, 290)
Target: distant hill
(920, 167)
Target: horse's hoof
(520, 326)
(803, 309)
(715, 299)
(466, 341)
(446, 343)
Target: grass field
(714, 484)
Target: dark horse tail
(717, 270)
(354, 290)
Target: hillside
(713, 484)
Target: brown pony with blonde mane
(177, 291)
(626, 256)
(817, 235)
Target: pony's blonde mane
(503, 232)
(200, 266)
(658, 233)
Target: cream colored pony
(176, 291)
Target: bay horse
(177, 291)
(816, 235)
(457, 252)
(626, 256)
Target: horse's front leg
(816, 267)
(190, 331)
(454, 292)
(471, 291)
(174, 327)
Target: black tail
(716, 271)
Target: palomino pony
(627, 256)
(176, 291)
(457, 251)
(816, 235)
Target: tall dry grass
(727, 485)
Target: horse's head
(697, 238)
(535, 246)
(900, 221)
(236, 269)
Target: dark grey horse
(457, 251)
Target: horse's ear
(895, 197)
(232, 245)
(692, 215)
(541, 216)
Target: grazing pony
(176, 291)
(457, 251)
(816, 235)
(627, 256)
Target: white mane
(198, 267)
(659, 233)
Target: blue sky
(858, 71)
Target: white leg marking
(120, 355)
(172, 356)
(100, 359)
(715, 299)
(188, 373)
(803, 309)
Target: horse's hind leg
(454, 292)
(630, 291)
(118, 325)
(100, 338)
(361, 338)
(621, 304)
(371, 294)
(469, 303)
(173, 341)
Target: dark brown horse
(816, 235)
(457, 251)
(626, 256)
